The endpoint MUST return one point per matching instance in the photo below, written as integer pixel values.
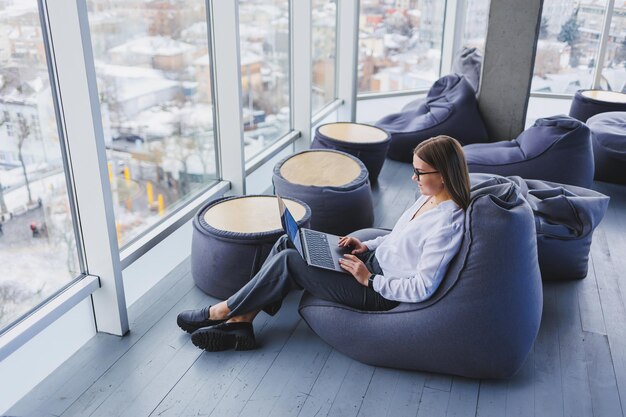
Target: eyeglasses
(417, 173)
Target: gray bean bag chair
(450, 109)
(482, 320)
(587, 103)
(336, 209)
(371, 151)
(468, 62)
(609, 146)
(556, 148)
(565, 218)
(223, 261)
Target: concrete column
(509, 60)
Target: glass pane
(324, 52)
(399, 44)
(475, 30)
(265, 80)
(569, 39)
(614, 70)
(154, 78)
(38, 252)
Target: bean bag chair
(332, 183)
(482, 320)
(468, 63)
(556, 148)
(368, 143)
(587, 103)
(608, 136)
(565, 218)
(450, 109)
(232, 237)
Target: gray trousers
(285, 270)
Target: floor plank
(612, 305)
(575, 382)
(288, 382)
(491, 399)
(604, 393)
(463, 397)
(434, 403)
(349, 399)
(520, 393)
(547, 373)
(326, 386)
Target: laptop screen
(290, 226)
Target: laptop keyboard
(319, 250)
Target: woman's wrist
(366, 281)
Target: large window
(400, 44)
(324, 49)
(38, 250)
(154, 79)
(265, 79)
(475, 24)
(614, 68)
(568, 45)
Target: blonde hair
(446, 155)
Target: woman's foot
(192, 320)
(235, 334)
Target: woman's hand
(356, 267)
(354, 242)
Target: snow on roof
(124, 71)
(249, 58)
(254, 32)
(153, 45)
(21, 85)
(138, 87)
(134, 82)
(24, 33)
(203, 60)
(196, 29)
(16, 9)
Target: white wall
(34, 361)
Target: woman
(407, 265)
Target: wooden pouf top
(253, 214)
(320, 168)
(606, 96)
(353, 132)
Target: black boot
(192, 320)
(238, 335)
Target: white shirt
(414, 256)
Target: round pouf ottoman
(335, 186)
(232, 237)
(587, 103)
(609, 146)
(368, 143)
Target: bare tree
(23, 132)
(11, 294)
(3, 204)
(62, 232)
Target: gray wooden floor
(577, 366)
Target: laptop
(316, 248)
